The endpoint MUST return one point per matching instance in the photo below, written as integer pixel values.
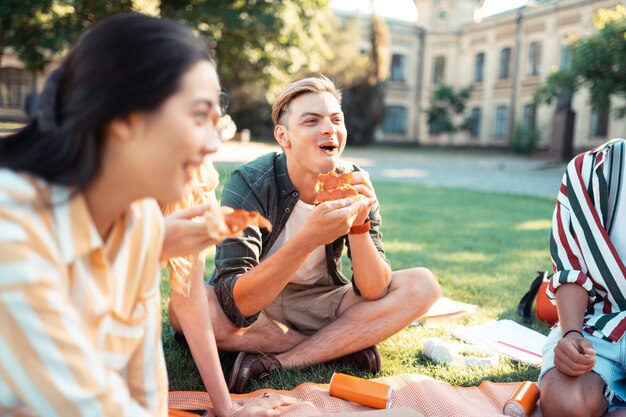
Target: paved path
(475, 170)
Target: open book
(506, 337)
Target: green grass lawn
(485, 248)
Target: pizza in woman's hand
(225, 222)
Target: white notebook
(506, 337)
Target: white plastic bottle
(459, 353)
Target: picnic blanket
(417, 392)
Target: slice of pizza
(226, 222)
(333, 186)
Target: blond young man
(282, 293)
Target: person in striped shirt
(584, 360)
(121, 124)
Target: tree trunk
(562, 137)
(165, 9)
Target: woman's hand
(574, 355)
(265, 406)
(183, 235)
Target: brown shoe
(367, 360)
(251, 366)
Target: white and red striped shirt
(588, 240)
(80, 327)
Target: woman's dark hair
(124, 63)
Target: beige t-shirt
(315, 265)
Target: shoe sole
(232, 381)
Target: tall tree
(597, 62)
(260, 45)
(363, 100)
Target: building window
(502, 122)
(599, 123)
(566, 57)
(398, 67)
(505, 63)
(479, 68)
(439, 69)
(434, 129)
(534, 58)
(15, 84)
(395, 120)
(475, 123)
(530, 118)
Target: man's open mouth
(328, 147)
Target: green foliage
(598, 62)
(524, 141)
(260, 45)
(38, 30)
(447, 107)
(483, 247)
(559, 85)
(21, 28)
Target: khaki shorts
(307, 308)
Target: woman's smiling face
(173, 140)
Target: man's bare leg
(563, 395)
(364, 323)
(264, 335)
(360, 323)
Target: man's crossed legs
(359, 326)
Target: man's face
(314, 134)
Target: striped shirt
(588, 240)
(80, 331)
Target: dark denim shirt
(264, 185)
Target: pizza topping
(225, 222)
(332, 186)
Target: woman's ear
(280, 133)
(120, 128)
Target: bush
(524, 141)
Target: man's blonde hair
(319, 84)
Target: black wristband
(573, 331)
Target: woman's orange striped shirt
(80, 331)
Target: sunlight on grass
(484, 248)
(479, 225)
(464, 257)
(403, 246)
(542, 224)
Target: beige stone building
(506, 57)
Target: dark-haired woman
(123, 122)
